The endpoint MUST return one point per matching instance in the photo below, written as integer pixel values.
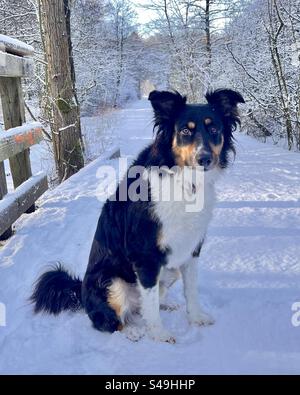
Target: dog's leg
(151, 315)
(194, 311)
(167, 278)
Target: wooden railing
(15, 63)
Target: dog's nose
(205, 160)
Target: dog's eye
(185, 132)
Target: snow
(8, 199)
(21, 130)
(249, 275)
(16, 46)
(100, 133)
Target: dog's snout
(205, 160)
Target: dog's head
(197, 134)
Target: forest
(187, 45)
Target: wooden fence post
(15, 63)
(14, 115)
(3, 192)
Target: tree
(262, 43)
(63, 106)
(110, 77)
(192, 27)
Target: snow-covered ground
(249, 275)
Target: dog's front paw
(201, 318)
(134, 333)
(162, 335)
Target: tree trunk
(207, 34)
(276, 28)
(63, 104)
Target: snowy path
(249, 275)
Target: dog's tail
(55, 291)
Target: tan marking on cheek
(185, 155)
(191, 125)
(216, 149)
(207, 121)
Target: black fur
(197, 250)
(55, 291)
(225, 101)
(126, 244)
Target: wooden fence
(16, 63)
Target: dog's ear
(225, 101)
(166, 104)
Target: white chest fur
(184, 223)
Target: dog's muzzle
(206, 160)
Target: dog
(141, 247)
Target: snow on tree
(263, 45)
(189, 45)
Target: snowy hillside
(249, 275)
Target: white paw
(134, 333)
(201, 318)
(162, 335)
(169, 306)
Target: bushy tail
(55, 291)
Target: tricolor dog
(142, 246)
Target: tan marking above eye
(207, 121)
(191, 125)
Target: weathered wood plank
(3, 184)
(15, 66)
(16, 140)
(14, 115)
(3, 192)
(15, 204)
(15, 46)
